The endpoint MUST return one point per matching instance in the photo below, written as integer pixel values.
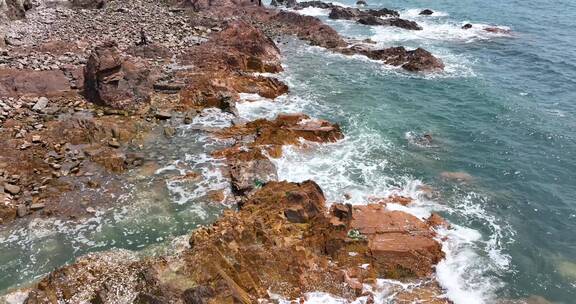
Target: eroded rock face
(220, 89)
(308, 28)
(399, 244)
(282, 240)
(286, 129)
(115, 81)
(239, 47)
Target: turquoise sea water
(504, 112)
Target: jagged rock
(238, 47)
(350, 13)
(250, 170)
(281, 241)
(317, 4)
(308, 28)
(221, 89)
(415, 61)
(115, 81)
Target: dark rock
(89, 4)
(371, 20)
(146, 298)
(415, 61)
(361, 3)
(163, 115)
(14, 9)
(467, 26)
(405, 24)
(198, 295)
(317, 4)
(426, 12)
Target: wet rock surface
(85, 84)
(283, 240)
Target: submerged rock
(426, 12)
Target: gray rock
(41, 104)
(169, 131)
(37, 206)
(163, 115)
(21, 210)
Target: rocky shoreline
(86, 84)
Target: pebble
(163, 115)
(12, 189)
(37, 206)
(21, 210)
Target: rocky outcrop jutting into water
(113, 75)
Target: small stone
(37, 206)
(12, 189)
(21, 210)
(90, 210)
(41, 104)
(189, 118)
(169, 132)
(163, 115)
(114, 143)
(36, 139)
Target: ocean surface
(502, 115)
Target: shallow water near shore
(503, 112)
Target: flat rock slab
(16, 83)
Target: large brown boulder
(239, 47)
(115, 81)
(308, 28)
